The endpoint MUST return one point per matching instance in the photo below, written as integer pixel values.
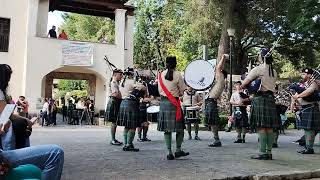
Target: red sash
(172, 99)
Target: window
(4, 34)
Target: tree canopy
(181, 27)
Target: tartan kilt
(243, 120)
(211, 112)
(167, 117)
(112, 110)
(263, 112)
(309, 118)
(142, 113)
(128, 114)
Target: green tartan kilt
(167, 117)
(128, 114)
(112, 110)
(211, 112)
(309, 118)
(263, 112)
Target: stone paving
(88, 155)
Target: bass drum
(199, 75)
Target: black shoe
(146, 139)
(170, 157)
(116, 143)
(243, 141)
(181, 154)
(190, 137)
(125, 148)
(269, 156)
(228, 130)
(306, 151)
(274, 145)
(238, 141)
(131, 148)
(197, 138)
(217, 144)
(261, 157)
(302, 143)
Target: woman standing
(129, 108)
(263, 109)
(170, 119)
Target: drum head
(153, 109)
(192, 108)
(199, 75)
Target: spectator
(49, 158)
(45, 112)
(103, 40)
(91, 110)
(63, 35)
(64, 112)
(52, 32)
(23, 106)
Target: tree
(88, 28)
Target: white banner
(77, 53)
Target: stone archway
(91, 78)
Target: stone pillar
(49, 84)
(120, 18)
(129, 40)
(42, 18)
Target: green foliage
(69, 85)
(88, 28)
(79, 93)
(76, 88)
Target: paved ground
(88, 155)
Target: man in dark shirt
(52, 32)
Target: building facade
(36, 60)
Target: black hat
(117, 71)
(129, 71)
(307, 71)
(265, 52)
(238, 82)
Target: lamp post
(231, 33)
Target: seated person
(48, 158)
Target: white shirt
(45, 107)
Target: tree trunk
(235, 16)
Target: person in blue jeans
(49, 158)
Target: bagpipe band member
(263, 107)
(170, 119)
(309, 114)
(211, 107)
(128, 117)
(240, 114)
(113, 105)
(192, 98)
(145, 101)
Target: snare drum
(152, 113)
(199, 75)
(192, 114)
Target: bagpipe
(245, 96)
(300, 87)
(254, 86)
